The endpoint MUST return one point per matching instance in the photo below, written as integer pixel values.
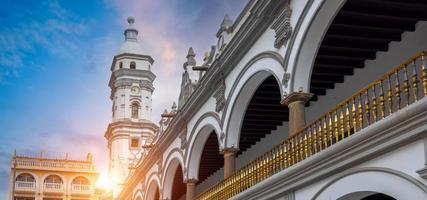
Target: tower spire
(131, 33)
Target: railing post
(191, 189)
(229, 160)
(296, 102)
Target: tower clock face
(135, 90)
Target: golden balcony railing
(403, 85)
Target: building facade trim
(372, 169)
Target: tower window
(132, 65)
(121, 65)
(135, 108)
(134, 143)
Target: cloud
(55, 32)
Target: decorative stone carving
(160, 167)
(286, 78)
(183, 138)
(282, 27)
(220, 96)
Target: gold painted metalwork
(350, 116)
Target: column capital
(192, 180)
(228, 150)
(296, 96)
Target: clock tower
(131, 131)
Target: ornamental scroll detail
(282, 27)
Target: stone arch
(153, 188)
(64, 181)
(202, 129)
(314, 25)
(137, 195)
(254, 73)
(80, 175)
(390, 182)
(36, 178)
(173, 161)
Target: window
(132, 65)
(81, 181)
(25, 177)
(134, 143)
(135, 108)
(121, 65)
(53, 179)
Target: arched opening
(25, 181)
(132, 65)
(135, 110)
(178, 186)
(153, 192)
(359, 30)
(263, 114)
(80, 183)
(121, 65)
(378, 196)
(53, 182)
(173, 183)
(366, 195)
(211, 160)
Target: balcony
(398, 89)
(25, 187)
(53, 187)
(81, 189)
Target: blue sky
(54, 67)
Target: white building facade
(320, 99)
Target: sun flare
(104, 181)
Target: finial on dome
(131, 20)
(131, 33)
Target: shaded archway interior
(211, 159)
(378, 196)
(178, 187)
(157, 196)
(263, 114)
(361, 29)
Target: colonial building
(321, 99)
(44, 178)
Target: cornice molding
(132, 56)
(128, 124)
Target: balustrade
(25, 185)
(395, 90)
(80, 188)
(53, 187)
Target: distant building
(44, 178)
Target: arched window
(53, 182)
(80, 180)
(25, 177)
(132, 65)
(121, 65)
(135, 108)
(53, 179)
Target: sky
(55, 59)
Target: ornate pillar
(296, 102)
(229, 161)
(191, 189)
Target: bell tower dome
(131, 129)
